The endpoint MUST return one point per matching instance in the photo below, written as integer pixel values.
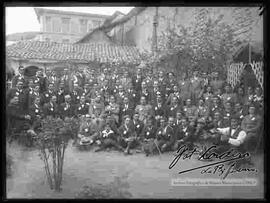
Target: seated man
(88, 132)
(233, 135)
(128, 135)
(185, 135)
(113, 109)
(251, 125)
(148, 136)
(166, 137)
(144, 109)
(108, 138)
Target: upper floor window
(65, 25)
(48, 24)
(83, 25)
(56, 25)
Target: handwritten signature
(213, 168)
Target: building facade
(139, 29)
(66, 27)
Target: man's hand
(27, 117)
(224, 138)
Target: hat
(21, 67)
(20, 82)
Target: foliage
(205, 44)
(115, 189)
(52, 141)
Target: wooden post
(249, 53)
(154, 37)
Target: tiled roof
(83, 52)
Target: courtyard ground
(142, 177)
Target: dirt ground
(144, 177)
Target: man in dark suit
(18, 120)
(66, 109)
(126, 108)
(19, 77)
(47, 95)
(138, 125)
(166, 138)
(82, 108)
(41, 80)
(159, 108)
(174, 107)
(22, 94)
(36, 113)
(51, 108)
(76, 94)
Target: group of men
(126, 109)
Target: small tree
(52, 142)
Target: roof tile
(60, 51)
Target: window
(74, 27)
(83, 25)
(48, 24)
(56, 25)
(90, 27)
(65, 25)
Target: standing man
(19, 77)
(196, 86)
(22, 94)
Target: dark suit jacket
(23, 97)
(148, 133)
(51, 111)
(66, 111)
